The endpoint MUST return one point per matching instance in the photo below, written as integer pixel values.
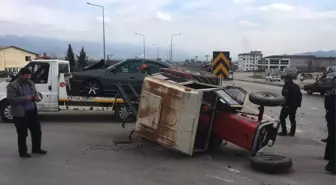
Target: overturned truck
(190, 116)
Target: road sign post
(221, 64)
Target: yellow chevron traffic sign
(221, 64)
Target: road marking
(220, 178)
(319, 141)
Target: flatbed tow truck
(51, 80)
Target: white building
(274, 63)
(249, 61)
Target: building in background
(303, 63)
(13, 58)
(234, 66)
(249, 61)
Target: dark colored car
(102, 82)
(321, 86)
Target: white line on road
(319, 141)
(220, 178)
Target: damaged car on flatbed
(189, 116)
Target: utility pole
(144, 43)
(157, 50)
(102, 7)
(206, 57)
(171, 45)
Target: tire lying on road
(271, 163)
(268, 99)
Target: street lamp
(144, 43)
(171, 45)
(157, 50)
(102, 7)
(169, 51)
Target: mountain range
(331, 53)
(57, 48)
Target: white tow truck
(51, 80)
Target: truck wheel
(322, 93)
(268, 99)
(310, 92)
(271, 163)
(121, 112)
(92, 88)
(5, 113)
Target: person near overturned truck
(329, 154)
(293, 99)
(22, 97)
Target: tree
(70, 56)
(82, 58)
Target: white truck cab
(50, 81)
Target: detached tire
(268, 99)
(271, 163)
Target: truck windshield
(226, 98)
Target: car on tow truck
(102, 82)
(189, 117)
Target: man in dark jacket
(22, 95)
(329, 104)
(293, 97)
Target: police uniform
(329, 104)
(293, 99)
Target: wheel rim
(7, 113)
(92, 88)
(266, 95)
(123, 112)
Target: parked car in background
(321, 86)
(273, 78)
(231, 75)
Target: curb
(265, 83)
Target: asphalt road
(83, 149)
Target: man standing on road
(293, 99)
(22, 95)
(329, 104)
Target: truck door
(126, 72)
(41, 76)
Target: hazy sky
(273, 26)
